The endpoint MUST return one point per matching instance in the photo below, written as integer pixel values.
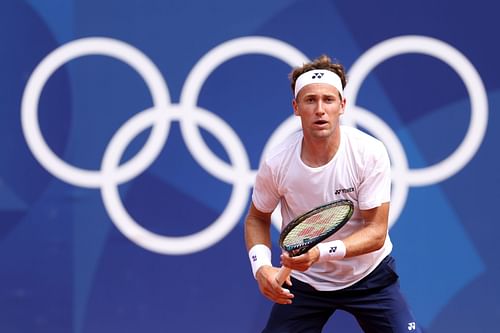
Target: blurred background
(131, 130)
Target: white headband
(318, 76)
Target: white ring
(64, 54)
(199, 74)
(475, 87)
(164, 244)
(399, 162)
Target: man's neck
(317, 152)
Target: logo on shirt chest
(344, 190)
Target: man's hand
(303, 262)
(266, 278)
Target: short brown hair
(322, 62)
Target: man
(321, 163)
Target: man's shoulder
(284, 148)
(359, 137)
(361, 144)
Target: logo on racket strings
(312, 230)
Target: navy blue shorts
(376, 302)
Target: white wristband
(259, 255)
(334, 250)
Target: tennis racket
(311, 228)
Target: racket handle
(282, 275)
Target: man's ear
(342, 105)
(295, 107)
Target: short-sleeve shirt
(359, 171)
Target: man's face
(319, 106)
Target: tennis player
(325, 161)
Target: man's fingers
(281, 295)
(284, 297)
(299, 263)
(270, 288)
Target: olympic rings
(238, 172)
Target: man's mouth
(320, 122)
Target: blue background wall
(68, 263)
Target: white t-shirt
(359, 171)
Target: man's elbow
(379, 241)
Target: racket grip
(282, 275)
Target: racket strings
(315, 226)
